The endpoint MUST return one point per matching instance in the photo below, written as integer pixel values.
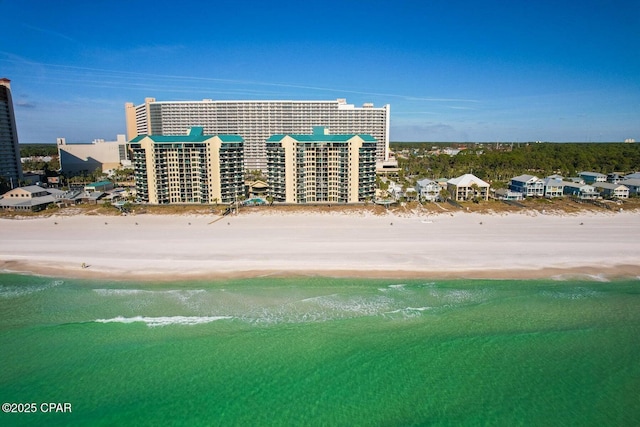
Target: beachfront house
(506, 194)
(30, 198)
(592, 177)
(633, 184)
(395, 190)
(580, 191)
(428, 190)
(614, 177)
(612, 191)
(468, 187)
(528, 185)
(553, 187)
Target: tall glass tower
(10, 166)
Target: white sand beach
(527, 245)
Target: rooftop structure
(255, 121)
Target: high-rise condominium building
(321, 167)
(10, 166)
(255, 121)
(193, 168)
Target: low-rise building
(553, 187)
(580, 191)
(99, 186)
(506, 194)
(468, 187)
(30, 198)
(428, 190)
(633, 184)
(635, 175)
(528, 185)
(612, 191)
(591, 177)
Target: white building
(86, 158)
(528, 185)
(467, 187)
(428, 190)
(612, 191)
(553, 187)
(256, 121)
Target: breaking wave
(165, 320)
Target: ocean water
(320, 351)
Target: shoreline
(551, 273)
(164, 248)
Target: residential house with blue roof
(528, 185)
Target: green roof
(318, 135)
(196, 134)
(99, 184)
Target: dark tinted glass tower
(10, 166)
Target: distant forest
(34, 150)
(501, 162)
(492, 162)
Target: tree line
(500, 163)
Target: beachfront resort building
(468, 187)
(321, 167)
(194, 168)
(86, 158)
(10, 166)
(255, 121)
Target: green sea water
(321, 351)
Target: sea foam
(165, 320)
(13, 291)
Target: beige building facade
(320, 167)
(86, 158)
(255, 121)
(188, 169)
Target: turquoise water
(319, 351)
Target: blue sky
(452, 70)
